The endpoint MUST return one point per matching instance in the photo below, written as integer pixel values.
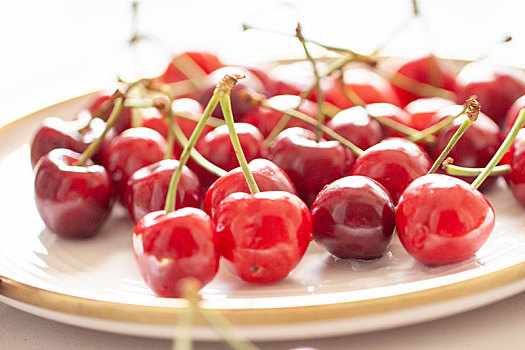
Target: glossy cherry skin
(476, 147)
(496, 87)
(441, 219)
(513, 113)
(355, 125)
(207, 61)
(390, 111)
(262, 236)
(515, 157)
(268, 176)
(422, 111)
(426, 69)
(148, 187)
(133, 149)
(216, 147)
(240, 106)
(369, 86)
(73, 201)
(311, 165)
(266, 119)
(353, 218)
(172, 247)
(55, 133)
(394, 163)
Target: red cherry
(496, 87)
(426, 69)
(355, 125)
(394, 163)
(172, 247)
(515, 157)
(73, 201)
(254, 229)
(353, 218)
(208, 62)
(311, 165)
(216, 147)
(369, 86)
(266, 119)
(512, 114)
(124, 120)
(268, 176)
(148, 187)
(390, 111)
(423, 111)
(476, 147)
(441, 219)
(131, 150)
(294, 78)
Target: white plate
(95, 283)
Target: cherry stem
(92, 148)
(320, 97)
(518, 124)
(195, 155)
(473, 109)
(228, 117)
(223, 87)
(431, 130)
(456, 170)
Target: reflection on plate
(95, 282)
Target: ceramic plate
(95, 283)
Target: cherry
(389, 111)
(369, 86)
(73, 201)
(294, 78)
(266, 119)
(394, 163)
(101, 108)
(355, 125)
(477, 146)
(95, 128)
(441, 219)
(423, 111)
(131, 150)
(147, 189)
(254, 229)
(216, 147)
(496, 87)
(241, 107)
(426, 69)
(516, 159)
(310, 164)
(512, 114)
(171, 247)
(353, 218)
(205, 61)
(267, 175)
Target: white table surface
(56, 49)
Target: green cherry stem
(223, 87)
(518, 124)
(92, 148)
(456, 170)
(431, 130)
(472, 110)
(228, 116)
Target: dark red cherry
(515, 157)
(512, 114)
(353, 218)
(476, 147)
(172, 247)
(369, 86)
(423, 111)
(148, 187)
(311, 165)
(394, 163)
(208, 62)
(441, 219)
(426, 69)
(268, 176)
(216, 147)
(266, 119)
(496, 87)
(240, 105)
(262, 236)
(390, 111)
(133, 149)
(355, 125)
(55, 133)
(73, 201)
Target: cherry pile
(247, 165)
